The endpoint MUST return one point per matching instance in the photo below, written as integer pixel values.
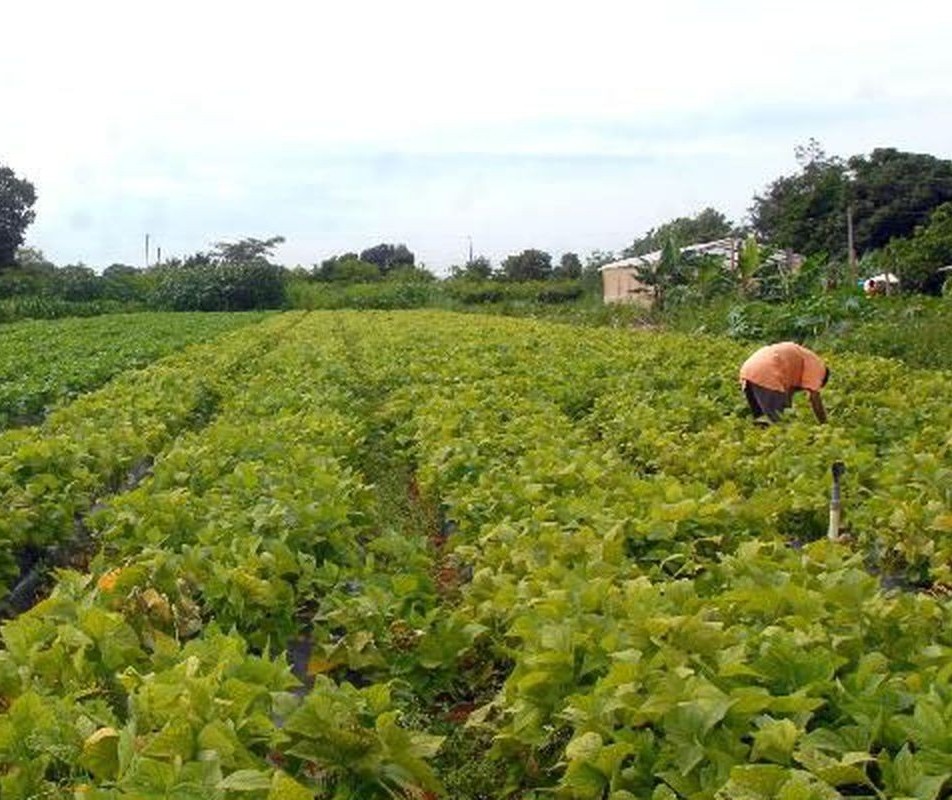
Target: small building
(620, 283)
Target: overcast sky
(565, 127)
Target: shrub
(385, 295)
(470, 292)
(43, 307)
(220, 287)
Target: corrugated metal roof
(718, 247)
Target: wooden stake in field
(837, 469)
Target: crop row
(52, 475)
(162, 673)
(577, 536)
(667, 636)
(47, 362)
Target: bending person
(770, 377)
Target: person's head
(826, 376)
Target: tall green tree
(388, 256)
(17, 196)
(892, 193)
(888, 192)
(77, 282)
(806, 211)
(478, 268)
(529, 265)
(246, 251)
(346, 268)
(918, 260)
(570, 267)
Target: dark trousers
(765, 402)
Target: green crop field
(45, 362)
(425, 555)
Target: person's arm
(817, 405)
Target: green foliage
(223, 286)
(533, 559)
(245, 251)
(43, 363)
(806, 211)
(127, 284)
(17, 196)
(680, 665)
(415, 293)
(478, 292)
(917, 261)
(388, 257)
(407, 273)
(351, 737)
(910, 329)
(913, 330)
(38, 289)
(799, 321)
(200, 283)
(711, 277)
(749, 263)
(41, 307)
(893, 193)
(570, 267)
(391, 294)
(668, 271)
(346, 269)
(76, 283)
(349, 269)
(529, 265)
(51, 474)
(706, 226)
(496, 292)
(478, 269)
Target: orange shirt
(784, 367)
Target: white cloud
(319, 120)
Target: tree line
(885, 211)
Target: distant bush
(470, 292)
(18, 282)
(757, 320)
(76, 283)
(561, 293)
(475, 292)
(387, 296)
(912, 328)
(916, 330)
(220, 287)
(382, 295)
(919, 260)
(43, 307)
(42, 291)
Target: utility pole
(147, 251)
(158, 258)
(850, 244)
(470, 251)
